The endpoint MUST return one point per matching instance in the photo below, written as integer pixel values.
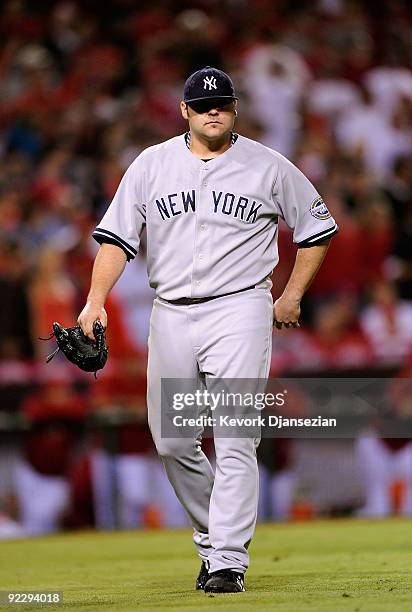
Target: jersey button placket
(199, 254)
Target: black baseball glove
(78, 348)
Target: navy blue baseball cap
(209, 83)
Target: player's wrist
(95, 302)
(291, 297)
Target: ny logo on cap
(209, 82)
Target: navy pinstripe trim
(107, 240)
(103, 235)
(319, 237)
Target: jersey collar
(233, 139)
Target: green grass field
(318, 566)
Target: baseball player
(211, 200)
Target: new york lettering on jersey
(238, 206)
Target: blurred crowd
(86, 86)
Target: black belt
(190, 301)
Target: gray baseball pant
(229, 337)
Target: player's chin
(214, 131)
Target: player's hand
(91, 313)
(286, 312)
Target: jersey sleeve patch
(319, 210)
(316, 238)
(102, 235)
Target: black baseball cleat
(225, 581)
(202, 578)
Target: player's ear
(235, 107)
(183, 110)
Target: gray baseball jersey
(212, 226)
